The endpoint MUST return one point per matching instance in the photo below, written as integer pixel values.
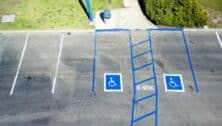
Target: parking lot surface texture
(47, 78)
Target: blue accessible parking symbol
(173, 83)
(113, 82)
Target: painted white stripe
(20, 64)
(219, 40)
(57, 65)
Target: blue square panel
(173, 83)
(113, 82)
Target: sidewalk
(130, 18)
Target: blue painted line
(155, 81)
(134, 80)
(141, 54)
(138, 43)
(143, 66)
(145, 97)
(111, 30)
(190, 62)
(94, 64)
(140, 82)
(144, 116)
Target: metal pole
(89, 10)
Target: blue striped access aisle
(136, 83)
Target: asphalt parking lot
(51, 73)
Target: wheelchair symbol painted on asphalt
(173, 83)
(113, 82)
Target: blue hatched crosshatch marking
(136, 82)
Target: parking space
(11, 46)
(39, 63)
(75, 67)
(112, 56)
(73, 85)
(208, 50)
(171, 57)
(207, 60)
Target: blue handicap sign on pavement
(112, 82)
(173, 83)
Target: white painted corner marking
(58, 62)
(20, 64)
(219, 40)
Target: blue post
(89, 10)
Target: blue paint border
(111, 30)
(190, 61)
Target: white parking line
(20, 64)
(219, 40)
(57, 65)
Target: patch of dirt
(7, 5)
(215, 18)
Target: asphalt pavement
(52, 75)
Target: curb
(93, 30)
(202, 30)
(44, 31)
